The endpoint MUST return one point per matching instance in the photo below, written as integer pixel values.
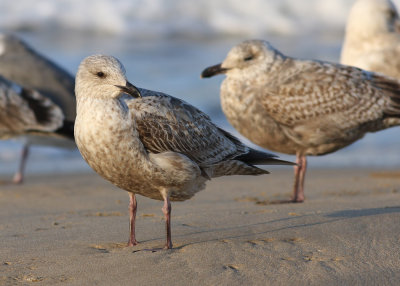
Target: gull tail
(255, 157)
(49, 118)
(47, 115)
(391, 88)
(66, 130)
(245, 164)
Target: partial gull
(372, 40)
(150, 143)
(23, 65)
(302, 107)
(24, 111)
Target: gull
(24, 111)
(372, 40)
(150, 143)
(302, 107)
(24, 66)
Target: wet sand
(72, 230)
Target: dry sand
(72, 230)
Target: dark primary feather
(255, 157)
(43, 113)
(67, 129)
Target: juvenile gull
(150, 143)
(25, 111)
(23, 65)
(302, 107)
(372, 40)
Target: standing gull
(26, 67)
(150, 143)
(302, 107)
(372, 40)
(24, 111)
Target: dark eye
(101, 74)
(249, 58)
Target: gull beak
(214, 70)
(130, 89)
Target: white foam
(159, 17)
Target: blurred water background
(165, 44)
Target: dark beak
(214, 70)
(130, 89)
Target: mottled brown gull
(21, 64)
(372, 40)
(150, 143)
(24, 111)
(302, 107)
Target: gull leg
(19, 175)
(300, 195)
(167, 214)
(132, 217)
(299, 174)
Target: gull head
(247, 57)
(371, 17)
(101, 76)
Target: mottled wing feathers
(23, 110)
(324, 91)
(165, 123)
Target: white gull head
(101, 76)
(246, 59)
(372, 17)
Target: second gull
(302, 107)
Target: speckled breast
(110, 148)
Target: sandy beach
(72, 230)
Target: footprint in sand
(234, 268)
(108, 247)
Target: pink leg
(132, 217)
(167, 213)
(300, 195)
(19, 175)
(299, 175)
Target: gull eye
(101, 74)
(249, 58)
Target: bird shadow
(277, 202)
(335, 217)
(152, 250)
(364, 212)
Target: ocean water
(165, 45)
